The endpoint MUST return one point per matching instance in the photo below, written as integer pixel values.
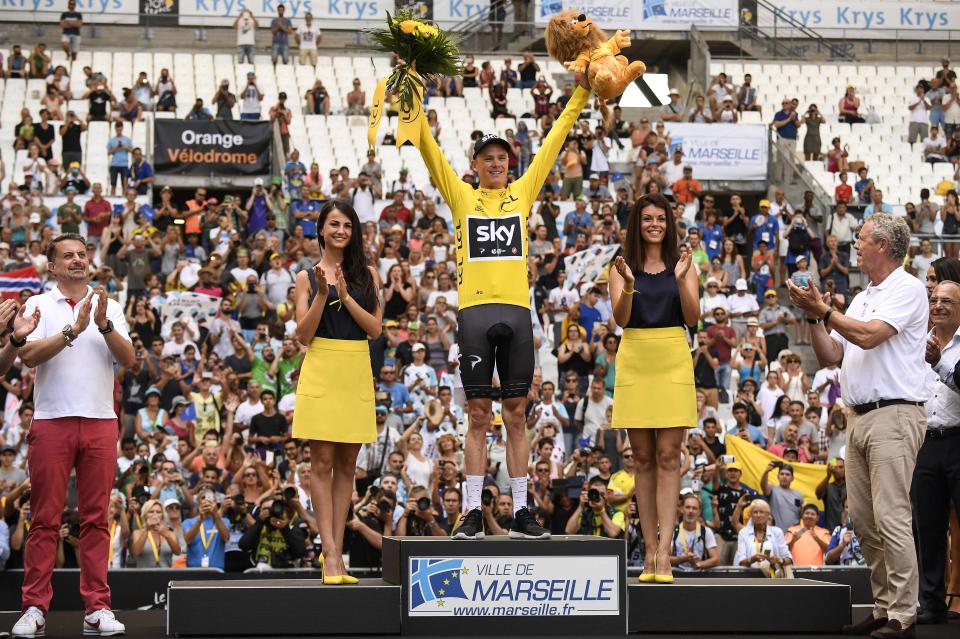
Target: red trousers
(56, 447)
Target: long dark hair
(946, 268)
(634, 248)
(355, 266)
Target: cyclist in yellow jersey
(494, 325)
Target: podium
(563, 586)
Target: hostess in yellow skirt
(654, 385)
(335, 393)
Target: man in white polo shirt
(881, 342)
(79, 335)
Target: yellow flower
(408, 26)
(426, 30)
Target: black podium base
(501, 586)
(281, 607)
(706, 605)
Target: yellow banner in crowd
(806, 477)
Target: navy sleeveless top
(656, 303)
(336, 321)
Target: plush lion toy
(577, 43)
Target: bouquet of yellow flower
(426, 54)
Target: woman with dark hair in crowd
(337, 311)
(943, 268)
(655, 296)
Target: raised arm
(532, 181)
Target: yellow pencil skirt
(654, 380)
(335, 393)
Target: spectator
(877, 205)
(250, 97)
(593, 515)
(119, 147)
(356, 100)
(694, 546)
(141, 173)
(699, 113)
(282, 117)
(747, 95)
(101, 103)
(246, 28)
(198, 111)
(729, 502)
(280, 29)
(70, 23)
(807, 541)
(673, 110)
(785, 122)
(308, 38)
(528, 68)
(206, 534)
(224, 100)
(835, 265)
(849, 107)
(760, 544)
(919, 107)
(591, 412)
(934, 147)
(844, 547)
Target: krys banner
(223, 147)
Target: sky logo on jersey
(499, 238)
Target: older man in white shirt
(880, 342)
(935, 483)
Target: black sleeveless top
(656, 303)
(336, 321)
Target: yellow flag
(408, 124)
(376, 112)
(806, 477)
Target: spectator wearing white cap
(673, 110)
(881, 342)
(712, 298)
(250, 98)
(741, 306)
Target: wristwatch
(19, 343)
(68, 335)
(106, 329)
(814, 320)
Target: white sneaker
(30, 624)
(102, 623)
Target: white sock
(518, 487)
(474, 489)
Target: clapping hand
(323, 289)
(8, 311)
(342, 290)
(683, 265)
(83, 315)
(932, 352)
(100, 315)
(624, 270)
(24, 324)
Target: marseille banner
(649, 15)
(513, 586)
(204, 147)
(722, 151)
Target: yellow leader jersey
(490, 226)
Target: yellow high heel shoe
(348, 579)
(649, 577)
(329, 580)
(661, 579)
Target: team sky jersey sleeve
(532, 181)
(456, 193)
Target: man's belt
(863, 409)
(942, 433)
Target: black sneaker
(525, 526)
(471, 526)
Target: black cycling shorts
(500, 334)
